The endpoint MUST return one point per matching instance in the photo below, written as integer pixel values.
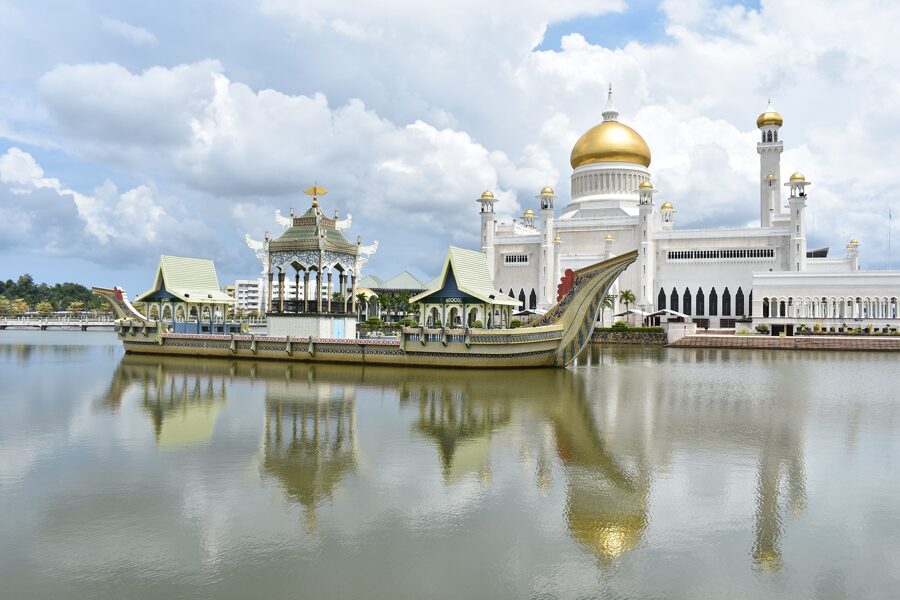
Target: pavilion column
(281, 290)
(305, 291)
(353, 291)
(330, 293)
(319, 283)
(297, 291)
(269, 307)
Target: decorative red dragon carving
(565, 284)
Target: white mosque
(715, 276)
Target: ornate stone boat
(554, 340)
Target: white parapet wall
(317, 326)
(676, 330)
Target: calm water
(641, 473)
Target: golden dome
(487, 194)
(610, 141)
(548, 191)
(854, 242)
(646, 185)
(557, 239)
(770, 176)
(529, 213)
(797, 177)
(769, 117)
(667, 206)
(608, 237)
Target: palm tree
(361, 304)
(627, 298)
(607, 303)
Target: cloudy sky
(130, 130)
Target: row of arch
(529, 301)
(182, 313)
(832, 307)
(769, 136)
(701, 304)
(589, 183)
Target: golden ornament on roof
(529, 213)
(610, 141)
(667, 206)
(548, 191)
(770, 117)
(487, 194)
(797, 177)
(646, 185)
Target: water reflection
(309, 444)
(607, 435)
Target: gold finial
(315, 191)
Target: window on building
(726, 303)
(714, 302)
(701, 303)
(686, 302)
(515, 259)
(661, 300)
(674, 300)
(521, 299)
(532, 300)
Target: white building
(713, 275)
(250, 294)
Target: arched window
(511, 295)
(661, 300)
(775, 136)
(532, 300)
(521, 299)
(782, 308)
(765, 306)
(674, 300)
(726, 303)
(713, 303)
(750, 307)
(701, 302)
(686, 302)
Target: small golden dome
(646, 185)
(609, 237)
(557, 239)
(487, 194)
(854, 242)
(548, 191)
(610, 141)
(667, 206)
(769, 117)
(797, 177)
(770, 176)
(529, 213)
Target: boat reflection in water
(607, 432)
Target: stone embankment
(799, 342)
(647, 338)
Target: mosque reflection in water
(605, 434)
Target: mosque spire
(610, 113)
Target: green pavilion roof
(302, 235)
(186, 279)
(473, 277)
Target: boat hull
(536, 352)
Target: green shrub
(762, 328)
(515, 323)
(619, 326)
(630, 329)
(374, 322)
(478, 325)
(407, 322)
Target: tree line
(24, 295)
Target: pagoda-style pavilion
(464, 293)
(186, 295)
(315, 248)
